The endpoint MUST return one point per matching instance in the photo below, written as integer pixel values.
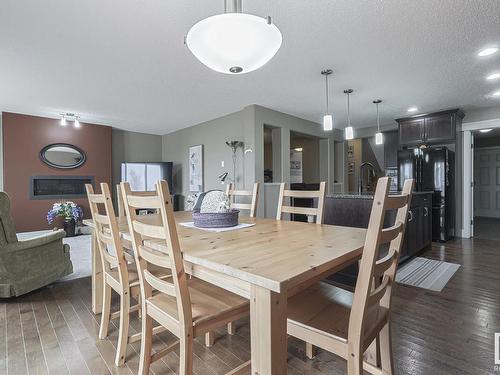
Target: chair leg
(355, 362)
(106, 311)
(121, 348)
(146, 343)
(186, 355)
(386, 350)
(231, 328)
(310, 350)
(209, 339)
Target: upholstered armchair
(31, 264)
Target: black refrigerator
(433, 170)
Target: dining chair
(231, 192)
(120, 273)
(119, 198)
(347, 323)
(310, 211)
(187, 307)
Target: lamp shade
(234, 43)
(379, 139)
(327, 122)
(349, 133)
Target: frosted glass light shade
(379, 139)
(327, 122)
(234, 43)
(349, 133)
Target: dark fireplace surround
(59, 187)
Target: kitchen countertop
(368, 195)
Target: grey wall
(212, 135)
(133, 147)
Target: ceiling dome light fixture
(234, 42)
(412, 109)
(485, 130)
(349, 131)
(379, 137)
(327, 118)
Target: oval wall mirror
(62, 155)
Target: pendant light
(234, 42)
(379, 138)
(327, 118)
(349, 131)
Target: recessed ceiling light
(485, 130)
(487, 51)
(493, 76)
(412, 109)
(496, 93)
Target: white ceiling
(123, 62)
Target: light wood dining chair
(120, 273)
(310, 211)
(232, 193)
(187, 307)
(119, 198)
(346, 323)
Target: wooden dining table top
(274, 254)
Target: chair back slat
(119, 198)
(395, 202)
(146, 257)
(389, 234)
(107, 233)
(96, 198)
(149, 230)
(376, 295)
(317, 212)
(154, 257)
(383, 264)
(102, 219)
(159, 284)
(142, 202)
(376, 276)
(254, 193)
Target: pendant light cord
(348, 110)
(327, 97)
(378, 119)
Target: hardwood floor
(52, 330)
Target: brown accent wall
(23, 138)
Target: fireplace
(59, 187)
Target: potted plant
(70, 212)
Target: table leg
(97, 281)
(268, 331)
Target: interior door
(487, 182)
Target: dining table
(265, 263)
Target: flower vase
(69, 226)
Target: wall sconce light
(65, 117)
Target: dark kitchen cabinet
(411, 131)
(434, 128)
(391, 146)
(419, 226)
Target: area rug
(426, 273)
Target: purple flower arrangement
(68, 210)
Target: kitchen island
(353, 210)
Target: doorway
(486, 184)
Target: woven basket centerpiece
(212, 210)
